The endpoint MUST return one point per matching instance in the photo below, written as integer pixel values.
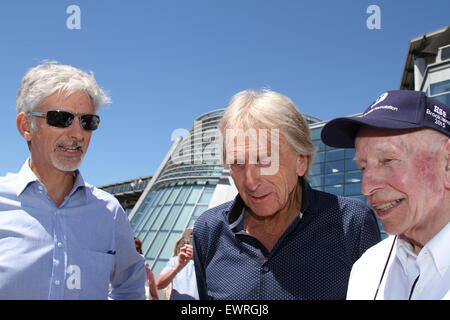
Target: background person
(178, 276)
(150, 285)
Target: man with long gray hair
(279, 238)
(61, 238)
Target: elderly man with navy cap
(402, 148)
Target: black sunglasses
(63, 119)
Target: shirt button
(59, 244)
(41, 188)
(266, 269)
(58, 211)
(57, 282)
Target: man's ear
(23, 123)
(301, 165)
(447, 164)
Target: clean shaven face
(402, 177)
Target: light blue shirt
(70, 252)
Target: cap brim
(341, 132)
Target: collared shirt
(422, 276)
(184, 284)
(69, 252)
(311, 260)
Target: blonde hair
(269, 109)
(184, 240)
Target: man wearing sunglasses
(61, 238)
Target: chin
(263, 211)
(391, 228)
(67, 166)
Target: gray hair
(50, 77)
(269, 109)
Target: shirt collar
(236, 213)
(437, 246)
(403, 252)
(26, 176)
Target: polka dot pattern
(312, 260)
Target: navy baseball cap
(395, 110)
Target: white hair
(269, 109)
(50, 77)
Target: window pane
(319, 145)
(336, 189)
(206, 196)
(152, 214)
(193, 197)
(350, 164)
(162, 214)
(168, 250)
(183, 218)
(352, 189)
(173, 195)
(316, 181)
(315, 133)
(440, 87)
(445, 98)
(317, 168)
(320, 156)
(146, 240)
(333, 155)
(352, 177)
(165, 195)
(183, 194)
(349, 153)
(336, 178)
(156, 244)
(199, 210)
(334, 167)
(171, 217)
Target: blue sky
(164, 63)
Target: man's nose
(76, 131)
(252, 176)
(372, 180)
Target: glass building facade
(192, 178)
(333, 169)
(180, 192)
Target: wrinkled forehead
(407, 141)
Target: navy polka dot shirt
(311, 260)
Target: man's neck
(421, 235)
(268, 230)
(58, 183)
